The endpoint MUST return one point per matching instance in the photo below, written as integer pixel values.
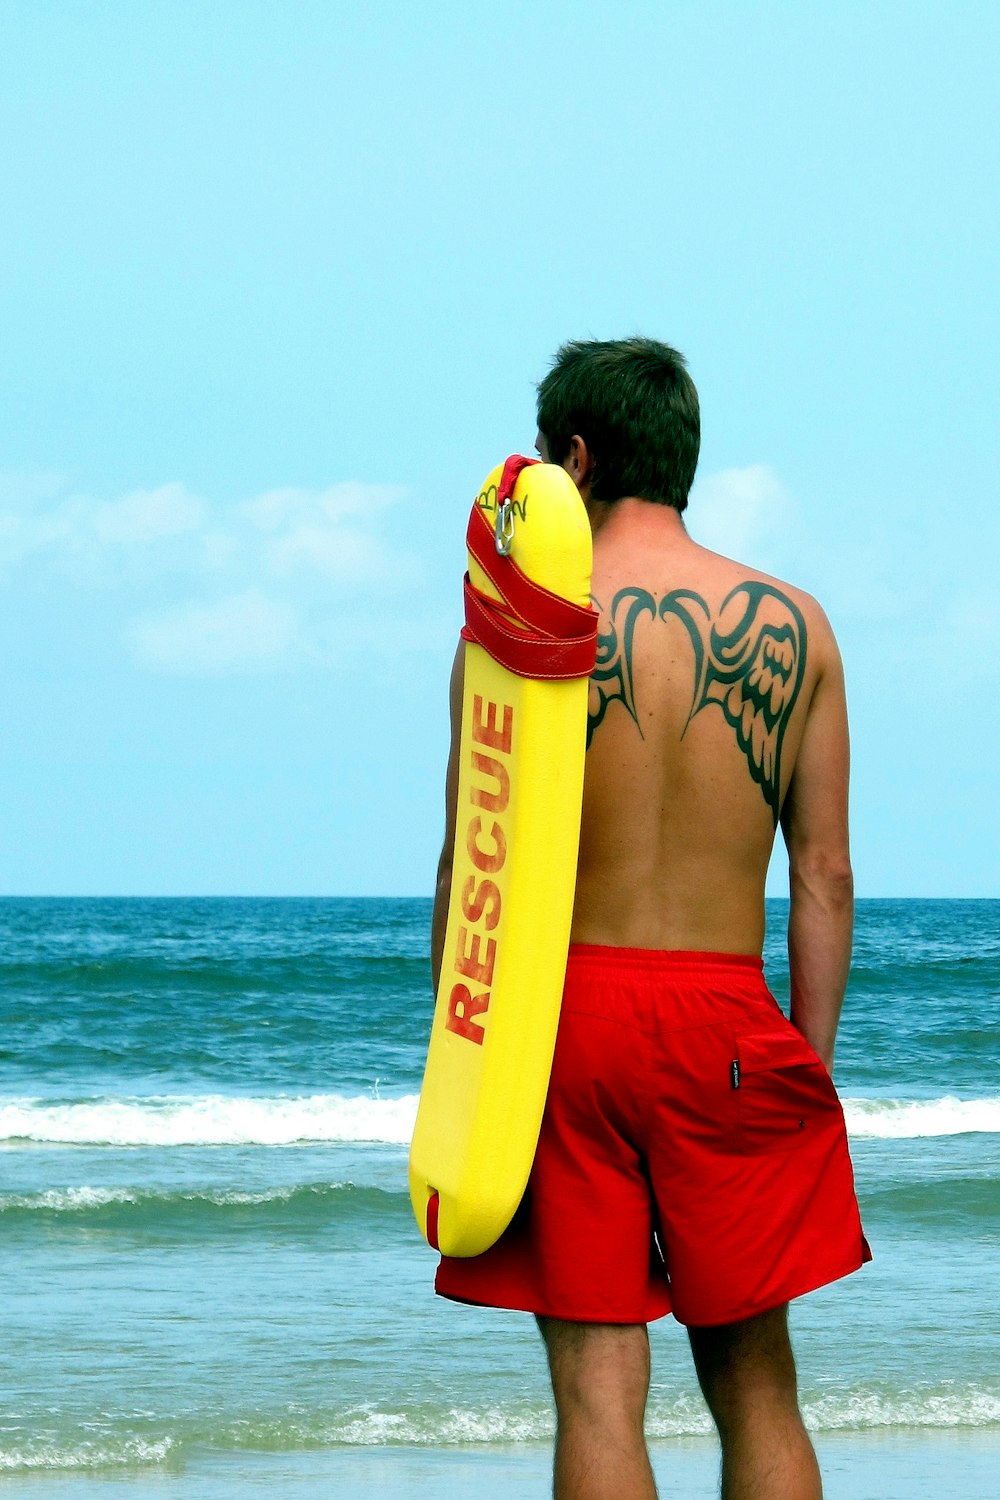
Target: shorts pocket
(783, 1092)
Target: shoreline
(892, 1464)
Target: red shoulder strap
(531, 631)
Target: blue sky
(276, 284)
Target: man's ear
(579, 463)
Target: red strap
(513, 466)
(528, 653)
(433, 1205)
(531, 630)
(529, 602)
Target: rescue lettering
(463, 1007)
(487, 860)
(472, 963)
(488, 792)
(488, 765)
(481, 902)
(485, 731)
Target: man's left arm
(442, 889)
(814, 821)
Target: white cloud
(739, 511)
(255, 577)
(344, 555)
(92, 540)
(287, 507)
(327, 532)
(147, 516)
(243, 633)
(335, 533)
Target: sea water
(206, 1242)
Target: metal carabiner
(503, 531)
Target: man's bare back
(708, 675)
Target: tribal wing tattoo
(612, 674)
(752, 666)
(749, 659)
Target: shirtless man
(692, 1156)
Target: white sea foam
(861, 1410)
(83, 1199)
(68, 1200)
(209, 1120)
(683, 1416)
(127, 1453)
(948, 1407)
(222, 1120)
(900, 1119)
(370, 1428)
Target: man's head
(636, 409)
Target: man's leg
(600, 1379)
(747, 1374)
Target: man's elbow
(825, 877)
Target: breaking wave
(223, 1120)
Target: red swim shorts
(692, 1156)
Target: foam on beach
(425, 1426)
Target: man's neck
(634, 516)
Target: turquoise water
(205, 1238)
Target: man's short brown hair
(636, 408)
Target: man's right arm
(442, 888)
(821, 884)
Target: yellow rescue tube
(520, 789)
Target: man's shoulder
(804, 601)
(741, 585)
(647, 565)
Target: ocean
(206, 1243)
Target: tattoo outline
(751, 666)
(614, 659)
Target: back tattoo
(749, 659)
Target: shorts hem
(798, 1289)
(563, 1315)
